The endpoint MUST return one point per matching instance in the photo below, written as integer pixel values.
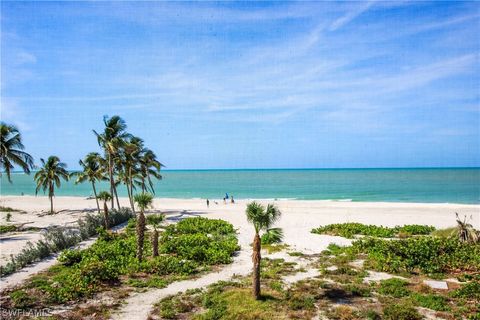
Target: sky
(248, 84)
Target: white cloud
(350, 15)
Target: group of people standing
(225, 199)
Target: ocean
(438, 185)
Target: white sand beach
(298, 217)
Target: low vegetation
(189, 247)
(351, 229)
(7, 228)
(9, 209)
(342, 290)
(60, 238)
(428, 255)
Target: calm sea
(459, 185)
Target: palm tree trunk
(116, 194)
(131, 192)
(130, 189)
(51, 204)
(155, 242)
(110, 174)
(50, 196)
(140, 234)
(105, 214)
(95, 193)
(130, 197)
(256, 258)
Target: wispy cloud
(350, 15)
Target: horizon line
(310, 168)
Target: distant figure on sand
(232, 201)
(208, 203)
(224, 201)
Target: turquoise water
(404, 185)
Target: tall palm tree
(262, 219)
(155, 220)
(11, 150)
(49, 176)
(105, 196)
(111, 139)
(149, 167)
(128, 164)
(143, 200)
(92, 170)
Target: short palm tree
(466, 232)
(155, 220)
(49, 176)
(105, 197)
(262, 219)
(143, 200)
(11, 150)
(92, 171)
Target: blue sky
(248, 84)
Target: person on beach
(232, 201)
(224, 201)
(208, 203)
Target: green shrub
(201, 225)
(163, 265)
(167, 309)
(7, 228)
(426, 254)
(371, 315)
(350, 229)
(431, 301)
(70, 257)
(213, 243)
(415, 229)
(394, 287)
(358, 290)
(301, 302)
(401, 311)
(21, 299)
(8, 209)
(469, 290)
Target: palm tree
(105, 196)
(49, 176)
(92, 171)
(262, 219)
(11, 150)
(155, 220)
(128, 163)
(466, 232)
(143, 200)
(111, 139)
(149, 167)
